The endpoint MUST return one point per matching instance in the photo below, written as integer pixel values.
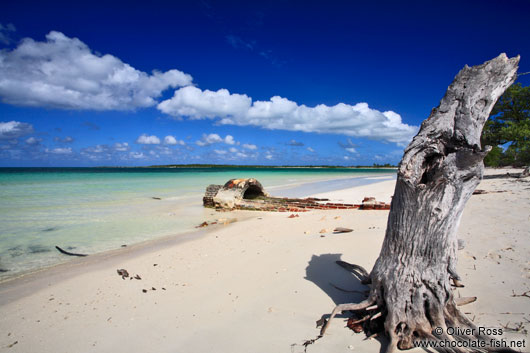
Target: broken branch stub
(437, 175)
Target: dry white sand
(259, 285)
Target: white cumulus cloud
(295, 143)
(63, 72)
(171, 140)
(210, 139)
(229, 140)
(59, 150)
(121, 147)
(148, 140)
(250, 146)
(357, 120)
(33, 141)
(14, 129)
(67, 139)
(198, 104)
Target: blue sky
(236, 82)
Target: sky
(130, 83)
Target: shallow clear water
(88, 210)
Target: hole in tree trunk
(430, 164)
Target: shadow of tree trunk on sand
(338, 283)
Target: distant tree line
(508, 129)
(386, 165)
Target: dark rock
(123, 273)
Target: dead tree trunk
(410, 282)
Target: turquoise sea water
(89, 210)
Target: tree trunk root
(344, 307)
(447, 324)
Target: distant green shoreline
(386, 166)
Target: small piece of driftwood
(69, 253)
(465, 300)
(342, 230)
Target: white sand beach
(260, 284)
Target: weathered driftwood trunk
(410, 282)
(438, 173)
